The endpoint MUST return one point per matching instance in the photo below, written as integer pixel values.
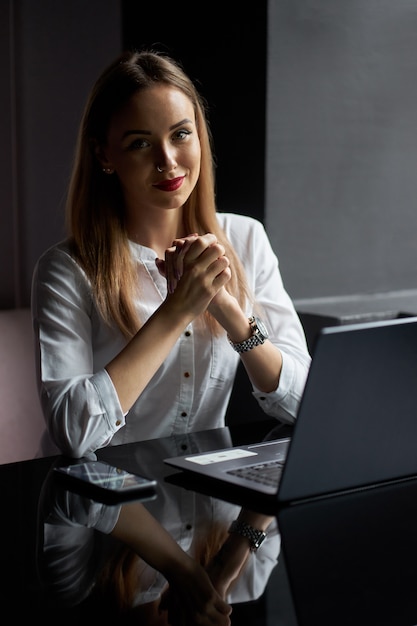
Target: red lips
(170, 185)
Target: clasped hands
(197, 267)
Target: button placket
(187, 369)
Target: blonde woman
(142, 314)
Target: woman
(142, 314)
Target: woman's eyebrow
(135, 132)
(148, 132)
(184, 121)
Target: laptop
(356, 425)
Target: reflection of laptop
(356, 426)
(339, 563)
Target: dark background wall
(226, 57)
(313, 105)
(51, 53)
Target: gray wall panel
(341, 166)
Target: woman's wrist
(227, 564)
(182, 566)
(230, 315)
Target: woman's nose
(166, 159)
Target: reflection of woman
(90, 548)
(200, 523)
(73, 555)
(237, 573)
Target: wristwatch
(254, 536)
(259, 334)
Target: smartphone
(105, 483)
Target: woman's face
(156, 129)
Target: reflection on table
(350, 559)
(79, 560)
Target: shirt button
(187, 333)
(262, 398)
(183, 414)
(187, 374)
(118, 422)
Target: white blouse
(191, 389)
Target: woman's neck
(157, 234)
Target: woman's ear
(101, 156)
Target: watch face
(261, 327)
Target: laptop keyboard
(265, 473)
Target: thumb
(161, 266)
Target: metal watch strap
(253, 341)
(254, 536)
(248, 344)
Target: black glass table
(348, 559)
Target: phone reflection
(105, 483)
(86, 560)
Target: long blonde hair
(95, 206)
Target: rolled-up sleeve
(79, 401)
(276, 308)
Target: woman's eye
(138, 144)
(182, 134)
